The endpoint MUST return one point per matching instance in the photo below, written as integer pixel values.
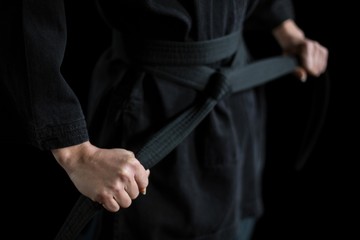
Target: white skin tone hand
(112, 177)
(313, 56)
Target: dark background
(313, 202)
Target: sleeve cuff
(52, 137)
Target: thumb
(301, 74)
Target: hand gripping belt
(184, 63)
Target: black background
(312, 203)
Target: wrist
(68, 156)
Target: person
(209, 186)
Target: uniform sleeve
(32, 50)
(267, 14)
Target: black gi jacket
(208, 184)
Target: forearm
(288, 34)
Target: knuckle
(100, 194)
(100, 197)
(130, 154)
(126, 174)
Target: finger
(127, 177)
(317, 60)
(111, 205)
(314, 58)
(132, 189)
(122, 198)
(307, 57)
(301, 74)
(323, 60)
(143, 190)
(142, 179)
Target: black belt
(183, 63)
